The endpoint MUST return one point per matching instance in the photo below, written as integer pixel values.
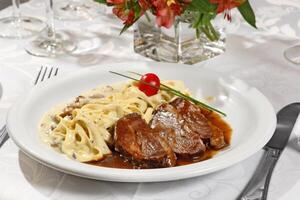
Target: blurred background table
(255, 56)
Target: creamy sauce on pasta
(82, 128)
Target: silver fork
(43, 74)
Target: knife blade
(286, 119)
(257, 188)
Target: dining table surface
(253, 55)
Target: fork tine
(38, 76)
(56, 71)
(44, 74)
(50, 73)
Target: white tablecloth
(255, 56)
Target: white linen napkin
(0, 90)
(24, 178)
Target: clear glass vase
(178, 44)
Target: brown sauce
(118, 161)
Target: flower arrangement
(166, 11)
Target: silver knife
(257, 188)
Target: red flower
(166, 11)
(226, 4)
(125, 15)
(165, 17)
(144, 4)
(120, 10)
(115, 1)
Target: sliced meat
(180, 129)
(217, 140)
(140, 144)
(193, 117)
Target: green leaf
(137, 11)
(101, 1)
(207, 18)
(197, 21)
(125, 27)
(203, 6)
(247, 13)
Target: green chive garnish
(172, 91)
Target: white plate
(249, 113)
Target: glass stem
(50, 23)
(16, 10)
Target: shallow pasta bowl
(249, 113)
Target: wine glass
(76, 10)
(292, 54)
(52, 44)
(18, 26)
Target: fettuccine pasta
(83, 128)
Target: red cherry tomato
(152, 79)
